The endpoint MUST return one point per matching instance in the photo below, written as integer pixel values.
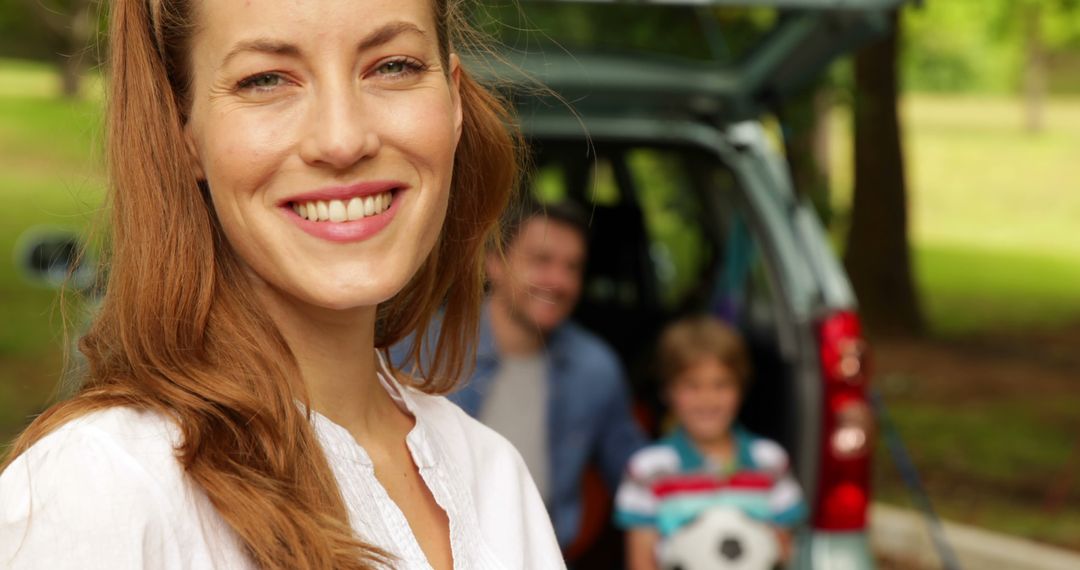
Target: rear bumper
(833, 551)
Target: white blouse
(106, 492)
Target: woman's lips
(362, 190)
(346, 219)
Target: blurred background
(958, 229)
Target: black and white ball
(721, 539)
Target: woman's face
(326, 132)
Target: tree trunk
(805, 128)
(878, 256)
(71, 77)
(1034, 68)
(74, 29)
(78, 35)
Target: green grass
(995, 210)
(990, 464)
(50, 176)
(968, 289)
(19, 78)
(1026, 439)
(27, 79)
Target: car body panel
(833, 551)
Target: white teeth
(338, 211)
(356, 209)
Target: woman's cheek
(427, 123)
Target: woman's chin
(353, 299)
(341, 288)
(344, 296)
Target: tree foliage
(63, 32)
(23, 35)
(717, 34)
(981, 45)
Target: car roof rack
(809, 35)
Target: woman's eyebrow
(261, 45)
(381, 35)
(387, 32)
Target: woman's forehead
(316, 23)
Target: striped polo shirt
(668, 484)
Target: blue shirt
(588, 413)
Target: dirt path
(988, 367)
(995, 386)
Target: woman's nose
(340, 130)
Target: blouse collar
(337, 440)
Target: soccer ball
(721, 539)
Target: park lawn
(20, 78)
(1028, 439)
(994, 216)
(994, 209)
(49, 178)
(967, 289)
(990, 464)
(964, 503)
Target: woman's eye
(392, 67)
(399, 68)
(260, 82)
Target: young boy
(708, 460)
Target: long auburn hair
(179, 334)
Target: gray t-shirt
(517, 407)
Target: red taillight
(844, 481)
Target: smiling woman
(295, 187)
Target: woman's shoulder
(460, 431)
(111, 437)
(117, 454)
(109, 477)
(509, 511)
(475, 453)
(108, 489)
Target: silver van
(650, 118)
